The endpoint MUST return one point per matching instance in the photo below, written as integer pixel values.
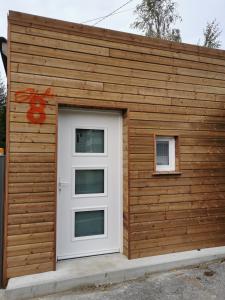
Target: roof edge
(109, 34)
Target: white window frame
(105, 129)
(172, 155)
(90, 237)
(105, 168)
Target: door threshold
(90, 254)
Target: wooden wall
(166, 88)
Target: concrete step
(102, 269)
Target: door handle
(61, 184)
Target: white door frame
(113, 112)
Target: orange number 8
(36, 113)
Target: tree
(212, 33)
(175, 36)
(2, 114)
(156, 19)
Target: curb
(110, 277)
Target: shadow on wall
(2, 180)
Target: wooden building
(115, 143)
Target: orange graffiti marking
(36, 112)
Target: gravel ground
(202, 282)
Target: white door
(89, 183)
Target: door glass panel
(89, 141)
(89, 181)
(162, 149)
(89, 223)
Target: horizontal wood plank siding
(165, 88)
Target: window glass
(89, 181)
(162, 150)
(89, 140)
(165, 153)
(89, 223)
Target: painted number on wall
(37, 103)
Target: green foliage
(175, 36)
(2, 115)
(212, 33)
(156, 19)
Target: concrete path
(202, 282)
(103, 269)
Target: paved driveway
(203, 282)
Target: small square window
(89, 181)
(89, 223)
(165, 154)
(89, 140)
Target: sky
(195, 15)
